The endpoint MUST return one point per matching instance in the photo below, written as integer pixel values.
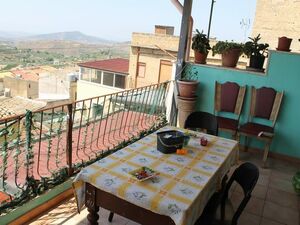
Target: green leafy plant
(200, 42)
(224, 46)
(253, 48)
(296, 182)
(190, 73)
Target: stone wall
(276, 18)
(24, 88)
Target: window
(119, 81)
(141, 69)
(104, 78)
(97, 77)
(85, 74)
(108, 79)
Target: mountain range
(74, 36)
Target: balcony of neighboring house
(102, 77)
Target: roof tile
(114, 65)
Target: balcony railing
(43, 148)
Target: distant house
(46, 83)
(151, 56)
(102, 77)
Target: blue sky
(117, 19)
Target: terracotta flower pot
(187, 88)
(185, 108)
(284, 44)
(200, 57)
(231, 57)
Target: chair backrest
(265, 103)
(229, 97)
(202, 120)
(246, 175)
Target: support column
(183, 41)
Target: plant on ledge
(256, 52)
(230, 52)
(200, 46)
(187, 94)
(296, 182)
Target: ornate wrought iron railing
(43, 148)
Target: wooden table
(96, 198)
(176, 197)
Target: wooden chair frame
(266, 137)
(238, 105)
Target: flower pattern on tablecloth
(181, 179)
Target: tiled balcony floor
(273, 202)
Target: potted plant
(284, 44)
(188, 84)
(296, 182)
(256, 52)
(186, 99)
(200, 46)
(230, 52)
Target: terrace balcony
(62, 140)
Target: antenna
(245, 25)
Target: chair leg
(266, 152)
(234, 136)
(246, 143)
(111, 216)
(222, 208)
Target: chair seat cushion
(255, 128)
(226, 123)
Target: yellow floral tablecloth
(182, 188)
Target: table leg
(90, 203)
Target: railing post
(69, 140)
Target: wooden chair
(265, 104)
(202, 120)
(246, 176)
(229, 97)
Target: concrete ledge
(38, 205)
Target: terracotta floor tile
(281, 214)
(259, 191)
(254, 206)
(265, 221)
(282, 184)
(283, 198)
(265, 171)
(263, 180)
(282, 175)
(248, 219)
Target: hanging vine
(61, 117)
(3, 133)
(16, 145)
(28, 144)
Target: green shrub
(224, 46)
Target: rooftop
(118, 65)
(18, 106)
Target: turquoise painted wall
(283, 74)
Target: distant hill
(75, 36)
(9, 35)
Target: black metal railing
(43, 148)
